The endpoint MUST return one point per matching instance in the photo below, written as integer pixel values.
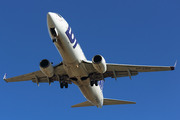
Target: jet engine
(99, 63)
(47, 68)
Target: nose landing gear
(54, 40)
(54, 33)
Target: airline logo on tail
(101, 84)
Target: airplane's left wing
(40, 77)
(123, 70)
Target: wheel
(61, 85)
(66, 85)
(54, 40)
(96, 82)
(91, 83)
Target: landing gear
(54, 33)
(66, 85)
(96, 83)
(54, 40)
(92, 82)
(63, 84)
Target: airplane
(89, 76)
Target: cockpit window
(59, 15)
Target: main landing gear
(92, 82)
(63, 84)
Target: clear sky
(142, 32)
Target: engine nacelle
(47, 68)
(99, 63)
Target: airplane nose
(50, 20)
(49, 15)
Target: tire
(61, 85)
(91, 83)
(66, 85)
(96, 82)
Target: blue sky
(123, 31)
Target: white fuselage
(73, 56)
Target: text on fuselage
(71, 37)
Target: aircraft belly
(75, 70)
(65, 50)
(92, 94)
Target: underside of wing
(138, 68)
(40, 77)
(122, 70)
(26, 77)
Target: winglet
(173, 67)
(5, 75)
(4, 78)
(175, 63)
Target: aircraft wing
(123, 70)
(26, 77)
(39, 77)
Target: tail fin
(101, 84)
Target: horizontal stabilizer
(106, 102)
(83, 104)
(116, 102)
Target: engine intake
(99, 63)
(47, 68)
